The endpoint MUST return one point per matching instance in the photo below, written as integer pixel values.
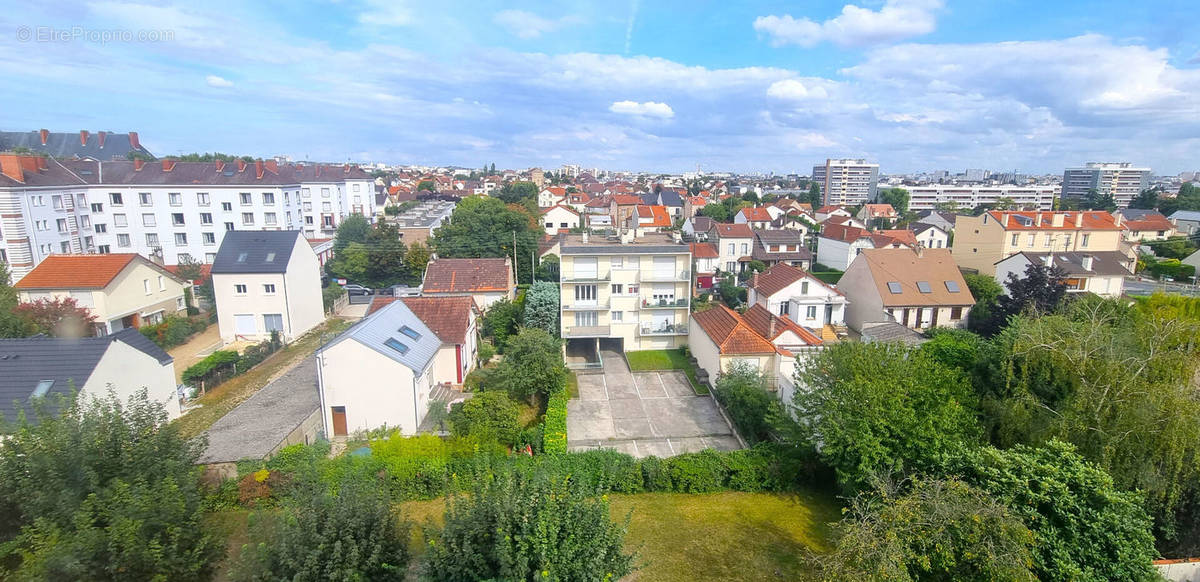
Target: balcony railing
(586, 331)
(664, 329)
(585, 306)
(585, 278)
(667, 303)
(658, 276)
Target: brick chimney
(1078, 219)
(754, 280)
(168, 165)
(220, 165)
(1117, 219)
(241, 165)
(83, 135)
(41, 163)
(272, 166)
(771, 328)
(346, 168)
(1038, 221)
(258, 169)
(1056, 220)
(133, 140)
(137, 164)
(10, 165)
(45, 135)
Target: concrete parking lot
(644, 413)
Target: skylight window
(952, 286)
(923, 287)
(270, 257)
(42, 388)
(397, 345)
(894, 287)
(242, 257)
(410, 332)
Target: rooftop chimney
(133, 141)
(1117, 218)
(241, 165)
(258, 169)
(1087, 263)
(754, 280)
(168, 165)
(83, 135)
(10, 165)
(771, 326)
(272, 166)
(102, 134)
(585, 237)
(1078, 219)
(220, 165)
(1056, 220)
(1038, 220)
(41, 163)
(45, 135)
(137, 164)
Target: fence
(221, 372)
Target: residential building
(122, 290)
(846, 181)
(323, 248)
(124, 362)
(918, 288)
(734, 243)
(781, 246)
(697, 227)
(870, 213)
(485, 280)
(1102, 273)
(981, 241)
(939, 218)
(720, 337)
(267, 281)
(831, 210)
(552, 196)
(930, 236)
(1144, 225)
(651, 219)
(1187, 222)
(1123, 181)
(628, 290)
(839, 244)
(705, 259)
(559, 218)
(805, 299)
(757, 216)
(417, 224)
(101, 145)
(966, 197)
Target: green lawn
(650, 360)
(719, 536)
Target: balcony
(585, 277)
(572, 331)
(661, 277)
(664, 329)
(665, 303)
(585, 306)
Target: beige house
(917, 288)
(266, 281)
(633, 290)
(1100, 273)
(982, 241)
(122, 290)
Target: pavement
(644, 413)
(263, 421)
(197, 348)
(1138, 286)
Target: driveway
(644, 413)
(283, 412)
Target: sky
(747, 86)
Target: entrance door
(245, 324)
(828, 313)
(339, 421)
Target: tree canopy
(541, 307)
(485, 227)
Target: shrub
(486, 351)
(743, 391)
(488, 416)
(555, 431)
(258, 488)
(174, 330)
(215, 362)
(532, 365)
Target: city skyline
(913, 85)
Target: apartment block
(173, 210)
(847, 181)
(927, 197)
(625, 292)
(1122, 180)
(982, 241)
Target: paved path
(644, 413)
(195, 349)
(258, 425)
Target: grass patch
(573, 385)
(653, 360)
(225, 397)
(719, 536)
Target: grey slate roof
(253, 248)
(69, 145)
(1190, 215)
(384, 324)
(1104, 264)
(68, 362)
(670, 198)
(891, 331)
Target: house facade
(982, 241)
(559, 218)
(734, 242)
(803, 298)
(773, 247)
(484, 280)
(919, 289)
(930, 236)
(1100, 273)
(266, 282)
(720, 338)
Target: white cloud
(385, 13)
(812, 140)
(855, 26)
(794, 90)
(218, 82)
(527, 25)
(646, 109)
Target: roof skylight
(894, 287)
(410, 332)
(923, 287)
(397, 345)
(952, 286)
(42, 388)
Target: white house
(720, 338)
(558, 218)
(805, 299)
(1102, 273)
(758, 217)
(124, 362)
(552, 196)
(266, 281)
(733, 241)
(930, 236)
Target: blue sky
(622, 84)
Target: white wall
(859, 288)
(376, 390)
(126, 370)
(303, 290)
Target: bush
(486, 351)
(742, 389)
(532, 365)
(488, 416)
(173, 331)
(331, 294)
(214, 363)
(555, 431)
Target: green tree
(386, 256)
(415, 262)
(814, 196)
(1188, 198)
(426, 186)
(517, 192)
(1041, 290)
(957, 348)
(548, 268)
(350, 263)
(11, 325)
(1097, 201)
(516, 527)
(743, 391)
(61, 317)
(878, 408)
(192, 271)
(541, 307)
(935, 529)
(488, 416)
(1146, 199)
(897, 197)
(486, 227)
(102, 490)
(986, 292)
(533, 365)
(354, 229)
(500, 322)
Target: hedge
(173, 331)
(224, 364)
(215, 362)
(554, 433)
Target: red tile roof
(626, 199)
(704, 251)
(205, 270)
(727, 230)
(830, 208)
(879, 210)
(756, 214)
(771, 326)
(77, 271)
(1092, 220)
(448, 317)
(1151, 222)
(467, 275)
(898, 235)
(567, 208)
(731, 334)
(378, 303)
(779, 276)
(843, 232)
(658, 215)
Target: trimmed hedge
(214, 363)
(554, 432)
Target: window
(1016, 239)
(270, 258)
(410, 332)
(175, 199)
(183, 258)
(146, 285)
(549, 225)
(239, 289)
(114, 198)
(585, 293)
(228, 226)
(177, 219)
(208, 238)
(101, 228)
(162, 283)
(268, 198)
(61, 224)
(87, 246)
(395, 344)
(269, 218)
(1083, 240)
(122, 240)
(145, 199)
(952, 286)
(305, 193)
(247, 218)
(812, 312)
(894, 287)
(227, 206)
(245, 198)
(242, 257)
(774, 248)
(955, 313)
(120, 220)
(181, 239)
(85, 221)
(1032, 240)
(97, 207)
(152, 240)
(202, 199)
(148, 220)
(210, 257)
(804, 287)
(745, 249)
(324, 192)
(617, 288)
(924, 287)
(356, 185)
(326, 206)
(56, 200)
(785, 308)
(37, 200)
(617, 316)
(103, 249)
(64, 247)
(273, 322)
(269, 288)
(206, 218)
(43, 386)
(1049, 241)
(563, 225)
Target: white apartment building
(172, 209)
(631, 292)
(847, 181)
(927, 197)
(1122, 180)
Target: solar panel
(923, 287)
(395, 344)
(894, 287)
(952, 286)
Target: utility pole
(516, 271)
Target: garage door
(245, 324)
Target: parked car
(353, 289)
(405, 291)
